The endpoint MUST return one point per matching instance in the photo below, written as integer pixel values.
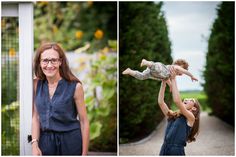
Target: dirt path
(215, 138)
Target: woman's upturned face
(189, 103)
(50, 63)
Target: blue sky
(189, 25)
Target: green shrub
(219, 73)
(9, 82)
(143, 34)
(10, 129)
(102, 111)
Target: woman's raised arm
(177, 100)
(161, 102)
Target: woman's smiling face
(50, 63)
(189, 103)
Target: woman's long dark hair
(195, 129)
(64, 69)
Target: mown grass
(199, 95)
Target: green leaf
(103, 111)
(112, 44)
(95, 130)
(108, 93)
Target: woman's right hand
(36, 150)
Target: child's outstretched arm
(161, 102)
(186, 72)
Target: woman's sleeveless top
(177, 131)
(58, 113)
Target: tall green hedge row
(142, 34)
(219, 73)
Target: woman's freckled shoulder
(78, 91)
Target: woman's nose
(49, 64)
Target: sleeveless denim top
(177, 131)
(58, 113)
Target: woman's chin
(50, 75)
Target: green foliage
(9, 57)
(9, 81)
(219, 73)
(102, 109)
(73, 24)
(143, 34)
(10, 129)
(10, 34)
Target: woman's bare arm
(35, 125)
(161, 102)
(84, 122)
(177, 100)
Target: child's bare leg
(145, 62)
(169, 84)
(128, 71)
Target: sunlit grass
(199, 95)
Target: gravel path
(215, 138)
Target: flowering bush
(73, 24)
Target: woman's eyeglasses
(53, 61)
(191, 99)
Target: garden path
(215, 138)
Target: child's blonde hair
(181, 62)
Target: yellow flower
(79, 34)
(98, 34)
(12, 52)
